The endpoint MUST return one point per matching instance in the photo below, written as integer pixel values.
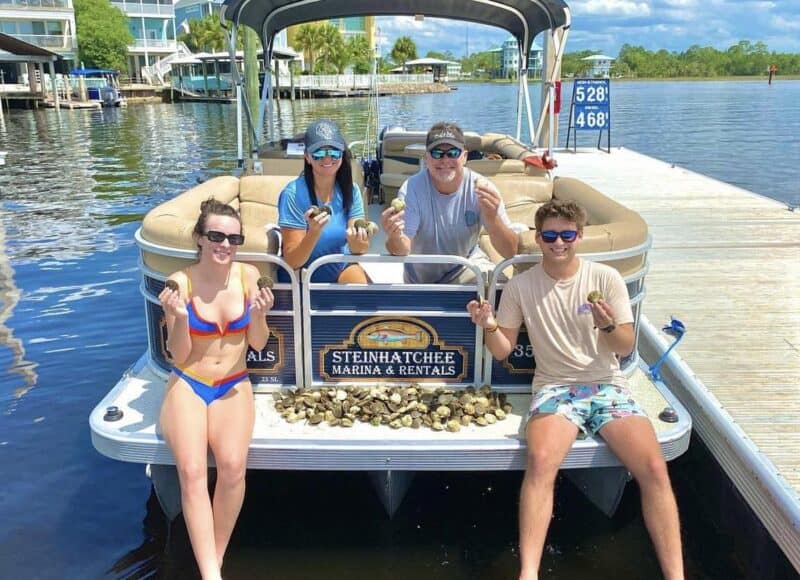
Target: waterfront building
(509, 59)
(152, 24)
(442, 70)
(599, 65)
(49, 24)
(188, 10)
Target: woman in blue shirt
(327, 180)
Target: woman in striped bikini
(213, 310)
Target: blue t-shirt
(294, 202)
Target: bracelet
(493, 329)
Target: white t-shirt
(442, 224)
(567, 347)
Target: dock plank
(725, 261)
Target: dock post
(68, 91)
(291, 83)
(56, 101)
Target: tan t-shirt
(567, 347)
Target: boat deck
(277, 444)
(726, 262)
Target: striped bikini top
(199, 326)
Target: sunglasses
(450, 153)
(551, 236)
(219, 237)
(321, 154)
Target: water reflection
(9, 297)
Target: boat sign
(405, 348)
(592, 104)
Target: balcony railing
(45, 4)
(158, 45)
(50, 41)
(144, 8)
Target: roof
(279, 53)
(424, 61)
(524, 19)
(534, 47)
(17, 47)
(599, 57)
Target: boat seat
(171, 223)
(275, 161)
(402, 152)
(611, 226)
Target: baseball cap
(324, 133)
(442, 133)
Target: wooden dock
(726, 262)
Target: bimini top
(522, 18)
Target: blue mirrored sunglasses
(551, 236)
(321, 154)
(451, 153)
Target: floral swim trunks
(587, 406)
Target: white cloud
(782, 24)
(605, 25)
(621, 8)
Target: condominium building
(46, 23)
(152, 24)
(510, 59)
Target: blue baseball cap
(324, 133)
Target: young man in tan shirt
(578, 385)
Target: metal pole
(551, 114)
(239, 136)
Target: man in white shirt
(579, 320)
(446, 204)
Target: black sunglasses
(551, 236)
(218, 237)
(451, 153)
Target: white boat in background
(101, 86)
(3, 157)
(320, 333)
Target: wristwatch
(610, 328)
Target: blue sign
(592, 100)
(386, 348)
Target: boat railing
(384, 332)
(391, 332)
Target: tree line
(744, 58)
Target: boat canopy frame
(523, 19)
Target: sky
(605, 25)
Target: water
(71, 196)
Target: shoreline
(745, 78)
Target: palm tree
(307, 41)
(360, 54)
(205, 35)
(404, 50)
(332, 55)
